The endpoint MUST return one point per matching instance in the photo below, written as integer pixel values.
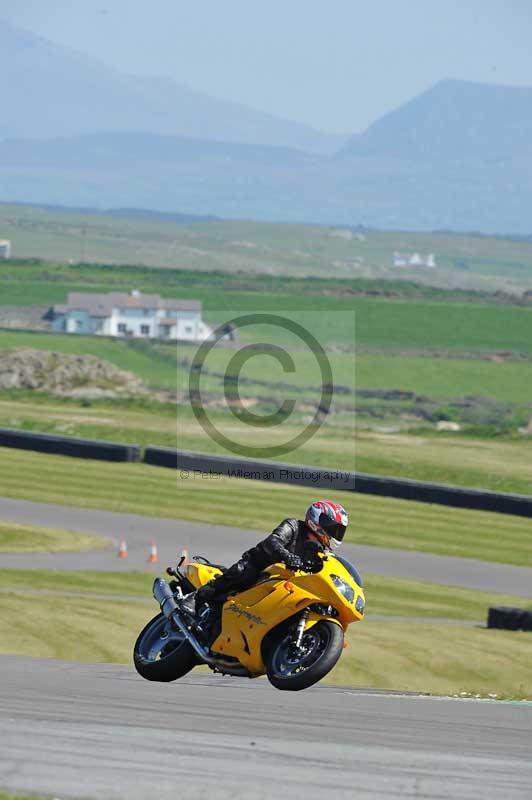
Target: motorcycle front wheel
(161, 653)
(293, 668)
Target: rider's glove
(293, 562)
(313, 565)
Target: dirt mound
(67, 375)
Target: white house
(414, 260)
(134, 315)
(5, 248)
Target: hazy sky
(336, 64)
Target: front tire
(292, 669)
(161, 653)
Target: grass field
(437, 378)
(261, 247)
(447, 377)
(383, 522)
(437, 381)
(498, 463)
(410, 337)
(498, 400)
(436, 658)
(33, 539)
(39, 276)
(396, 339)
(395, 321)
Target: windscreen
(355, 574)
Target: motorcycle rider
(293, 542)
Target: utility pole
(83, 241)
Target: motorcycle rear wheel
(292, 669)
(161, 653)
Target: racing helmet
(328, 522)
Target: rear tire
(161, 653)
(294, 669)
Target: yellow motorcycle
(288, 625)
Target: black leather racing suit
(289, 537)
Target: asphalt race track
(225, 544)
(82, 730)
(100, 731)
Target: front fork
(309, 617)
(300, 630)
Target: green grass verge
(438, 659)
(92, 631)
(405, 598)
(495, 464)
(10, 796)
(435, 658)
(153, 491)
(499, 463)
(384, 595)
(130, 584)
(16, 538)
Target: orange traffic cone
(122, 550)
(154, 555)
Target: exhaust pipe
(163, 594)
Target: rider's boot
(193, 602)
(188, 604)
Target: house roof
(101, 305)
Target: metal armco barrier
(188, 462)
(69, 446)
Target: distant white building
(136, 315)
(5, 248)
(414, 260)
(346, 233)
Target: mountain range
(52, 91)
(458, 156)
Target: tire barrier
(446, 495)
(68, 446)
(510, 619)
(187, 462)
(400, 488)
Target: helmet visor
(332, 528)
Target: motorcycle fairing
(199, 574)
(249, 616)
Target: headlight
(360, 604)
(343, 588)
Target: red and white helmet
(328, 521)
